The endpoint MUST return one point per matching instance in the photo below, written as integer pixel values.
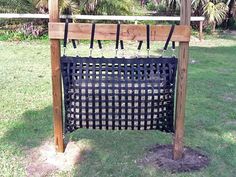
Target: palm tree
(215, 12)
(66, 6)
(92, 7)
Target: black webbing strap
(140, 45)
(74, 44)
(100, 44)
(173, 45)
(65, 34)
(148, 37)
(117, 36)
(122, 44)
(92, 35)
(169, 37)
(100, 47)
(73, 41)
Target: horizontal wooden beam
(128, 32)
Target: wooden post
(182, 83)
(56, 80)
(200, 30)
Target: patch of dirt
(194, 39)
(44, 160)
(160, 157)
(229, 97)
(231, 122)
(230, 32)
(192, 61)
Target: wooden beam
(128, 32)
(56, 81)
(178, 146)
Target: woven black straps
(169, 38)
(119, 93)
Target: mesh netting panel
(114, 93)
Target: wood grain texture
(130, 32)
(56, 81)
(181, 84)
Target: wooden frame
(128, 32)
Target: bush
(151, 6)
(7, 35)
(31, 29)
(232, 24)
(160, 8)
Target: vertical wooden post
(200, 30)
(56, 80)
(182, 84)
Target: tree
(215, 12)
(108, 7)
(231, 12)
(92, 7)
(16, 6)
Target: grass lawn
(26, 113)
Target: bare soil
(160, 157)
(45, 161)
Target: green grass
(26, 113)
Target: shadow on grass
(31, 129)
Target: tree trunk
(213, 27)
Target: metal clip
(116, 53)
(90, 52)
(64, 51)
(163, 53)
(173, 53)
(148, 53)
(138, 53)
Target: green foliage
(107, 7)
(215, 13)
(102, 7)
(232, 23)
(151, 5)
(19, 36)
(16, 6)
(163, 7)
(92, 7)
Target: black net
(119, 93)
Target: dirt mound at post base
(160, 157)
